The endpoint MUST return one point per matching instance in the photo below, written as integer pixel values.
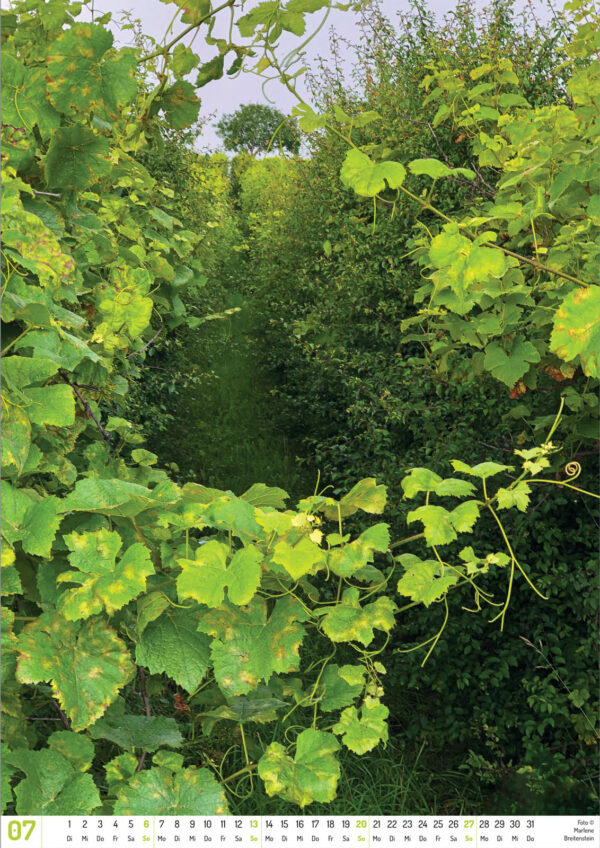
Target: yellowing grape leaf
(302, 558)
(248, 648)
(86, 663)
(516, 496)
(206, 577)
(369, 178)
(425, 581)
(103, 582)
(82, 79)
(362, 730)
(335, 691)
(347, 560)
(313, 773)
(576, 329)
(162, 791)
(348, 621)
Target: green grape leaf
(145, 733)
(52, 785)
(305, 557)
(24, 97)
(114, 497)
(336, 691)
(259, 16)
(162, 791)
(576, 329)
(420, 480)
(76, 158)
(348, 621)
(365, 495)
(263, 496)
(313, 773)
(21, 371)
(210, 71)
(516, 496)
(483, 470)
(440, 525)
(74, 747)
(103, 583)
(437, 524)
(510, 367)
(8, 642)
(180, 104)
(454, 487)
(171, 644)
(40, 524)
(435, 169)
(248, 648)
(205, 578)
(149, 607)
(362, 731)
(425, 581)
(54, 405)
(86, 662)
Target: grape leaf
(54, 405)
(483, 470)
(347, 560)
(348, 621)
(335, 691)
(80, 54)
(313, 773)
(53, 786)
(172, 645)
(510, 367)
(161, 791)
(248, 648)
(576, 330)
(369, 178)
(205, 578)
(103, 583)
(265, 496)
(435, 169)
(74, 747)
(76, 158)
(516, 496)
(425, 581)
(24, 97)
(146, 733)
(302, 558)
(86, 662)
(362, 731)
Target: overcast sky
(225, 95)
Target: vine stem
(249, 768)
(87, 408)
(164, 50)
(63, 716)
(147, 711)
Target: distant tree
(251, 127)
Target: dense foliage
(141, 610)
